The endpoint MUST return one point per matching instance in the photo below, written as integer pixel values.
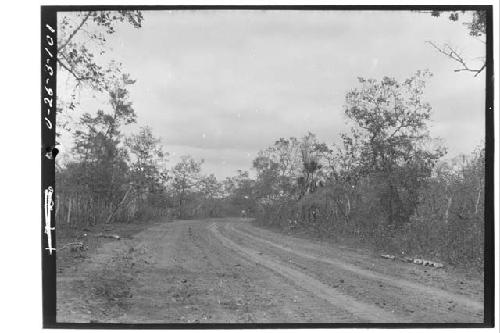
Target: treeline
(111, 177)
(116, 178)
(384, 185)
(437, 216)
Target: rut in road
(361, 310)
(419, 288)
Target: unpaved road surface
(229, 271)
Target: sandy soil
(230, 271)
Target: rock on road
(229, 271)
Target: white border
(20, 296)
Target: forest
(384, 183)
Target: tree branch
(448, 51)
(69, 70)
(73, 33)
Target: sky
(222, 85)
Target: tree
(449, 223)
(477, 25)
(278, 167)
(240, 192)
(391, 137)
(82, 38)
(211, 192)
(477, 29)
(148, 166)
(314, 155)
(210, 187)
(99, 174)
(268, 177)
(97, 179)
(76, 31)
(185, 181)
(97, 141)
(148, 157)
(106, 125)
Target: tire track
(472, 305)
(266, 297)
(363, 311)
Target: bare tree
(476, 28)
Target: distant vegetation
(385, 184)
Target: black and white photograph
(266, 165)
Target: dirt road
(229, 271)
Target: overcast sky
(223, 85)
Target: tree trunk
(348, 207)
(477, 201)
(448, 206)
(68, 217)
(119, 205)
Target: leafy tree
(449, 222)
(99, 171)
(391, 137)
(211, 191)
(185, 181)
(268, 177)
(210, 187)
(240, 192)
(98, 138)
(313, 154)
(477, 25)
(148, 157)
(99, 175)
(82, 40)
(148, 167)
(104, 125)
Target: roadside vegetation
(384, 183)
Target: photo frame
(50, 200)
